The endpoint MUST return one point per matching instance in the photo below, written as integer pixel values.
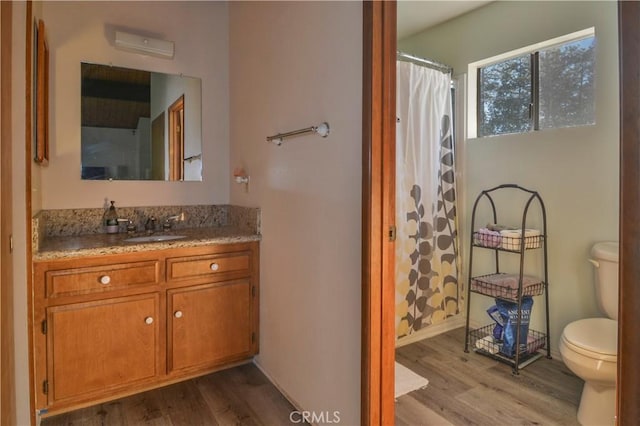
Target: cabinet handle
(214, 266)
(178, 314)
(105, 279)
(148, 320)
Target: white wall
(575, 170)
(84, 31)
(293, 65)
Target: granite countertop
(51, 248)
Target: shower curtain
(427, 290)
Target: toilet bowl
(589, 350)
(589, 347)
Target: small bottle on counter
(110, 219)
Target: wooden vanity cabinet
(109, 326)
(211, 309)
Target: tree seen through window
(551, 88)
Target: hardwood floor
(471, 389)
(238, 396)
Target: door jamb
(379, 142)
(628, 408)
(378, 212)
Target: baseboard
(432, 331)
(288, 397)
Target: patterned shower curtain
(427, 290)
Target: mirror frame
(41, 155)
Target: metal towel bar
(321, 129)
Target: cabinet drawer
(208, 265)
(68, 282)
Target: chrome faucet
(131, 228)
(169, 221)
(150, 225)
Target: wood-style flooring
(471, 389)
(238, 396)
(464, 389)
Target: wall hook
(240, 176)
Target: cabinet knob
(105, 279)
(214, 266)
(178, 314)
(148, 320)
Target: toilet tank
(605, 257)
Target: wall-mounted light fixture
(144, 45)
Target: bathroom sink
(154, 238)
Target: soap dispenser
(110, 219)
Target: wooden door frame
(176, 139)
(7, 362)
(29, 133)
(379, 45)
(378, 214)
(628, 408)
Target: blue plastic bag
(509, 313)
(498, 329)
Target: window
(548, 85)
(504, 100)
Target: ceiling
(417, 15)
(114, 97)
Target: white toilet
(589, 347)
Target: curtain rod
(425, 62)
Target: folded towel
(488, 238)
(506, 285)
(510, 280)
(497, 227)
(511, 239)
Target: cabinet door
(103, 345)
(209, 324)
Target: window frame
(474, 70)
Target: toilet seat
(593, 337)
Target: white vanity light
(145, 45)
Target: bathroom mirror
(139, 125)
